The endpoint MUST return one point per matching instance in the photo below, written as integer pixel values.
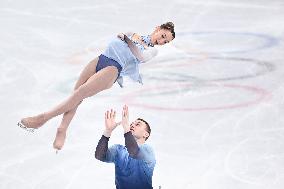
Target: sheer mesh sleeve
(131, 144)
(144, 56)
(101, 149)
(149, 53)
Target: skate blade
(20, 124)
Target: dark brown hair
(148, 129)
(169, 26)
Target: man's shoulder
(147, 152)
(147, 148)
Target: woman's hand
(110, 123)
(121, 36)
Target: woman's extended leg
(88, 71)
(101, 80)
(39, 120)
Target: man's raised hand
(110, 123)
(125, 119)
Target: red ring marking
(263, 94)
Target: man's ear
(146, 135)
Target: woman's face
(161, 36)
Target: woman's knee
(95, 85)
(78, 84)
(81, 93)
(109, 85)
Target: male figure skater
(134, 162)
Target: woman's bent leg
(94, 87)
(87, 72)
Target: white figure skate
(20, 124)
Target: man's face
(138, 129)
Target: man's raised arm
(110, 125)
(130, 142)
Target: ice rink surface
(213, 97)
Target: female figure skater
(121, 58)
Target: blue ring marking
(268, 43)
(178, 77)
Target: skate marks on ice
(253, 150)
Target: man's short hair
(148, 128)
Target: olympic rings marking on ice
(262, 95)
(269, 41)
(265, 68)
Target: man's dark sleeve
(131, 144)
(101, 149)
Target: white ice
(213, 97)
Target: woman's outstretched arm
(134, 49)
(142, 56)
